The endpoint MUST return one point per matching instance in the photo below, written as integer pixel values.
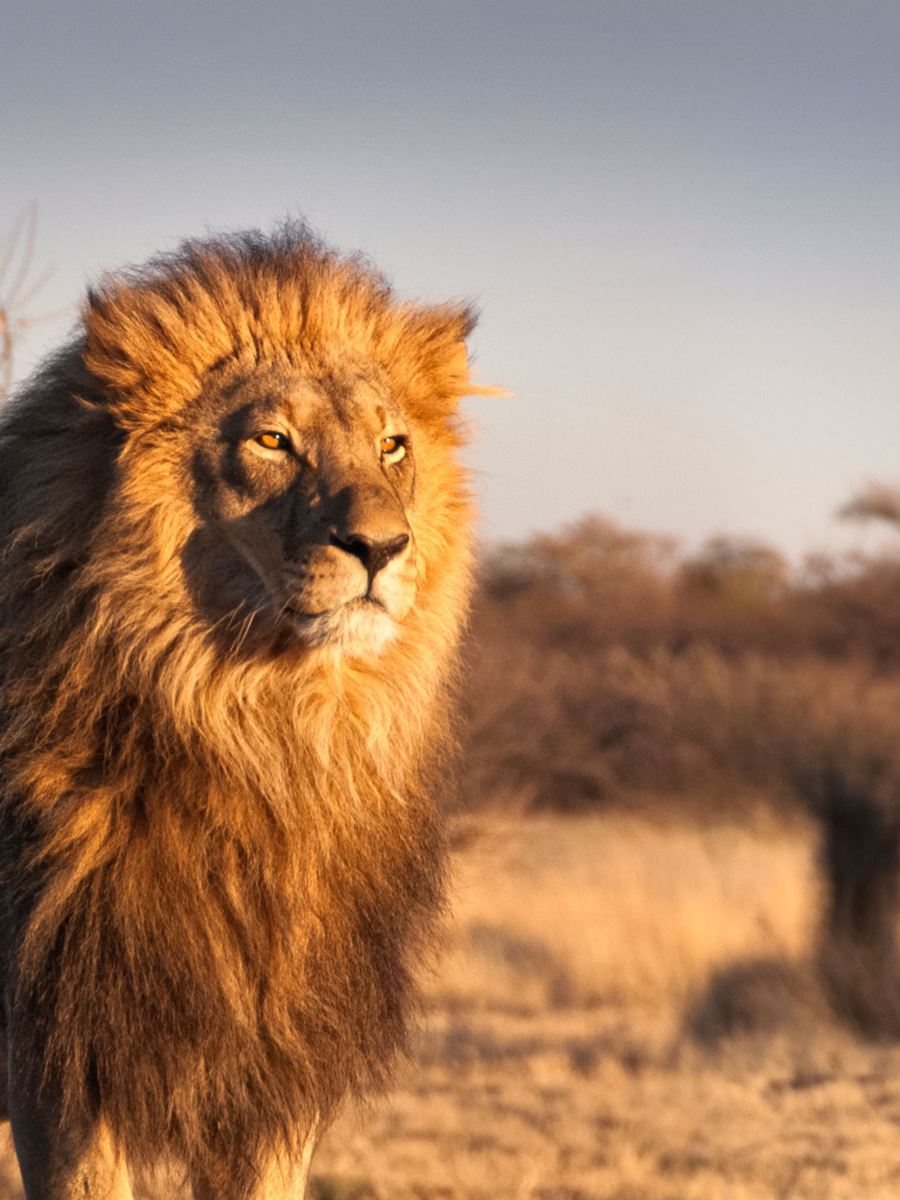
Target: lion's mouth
(361, 627)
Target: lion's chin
(360, 629)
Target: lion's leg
(4, 1079)
(283, 1179)
(75, 1161)
(58, 1165)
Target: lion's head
(298, 427)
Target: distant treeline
(595, 584)
(606, 669)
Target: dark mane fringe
(218, 870)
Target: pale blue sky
(679, 217)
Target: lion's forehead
(352, 382)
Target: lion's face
(303, 493)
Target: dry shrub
(596, 584)
(617, 910)
(605, 669)
(759, 996)
(554, 730)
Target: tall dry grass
(620, 911)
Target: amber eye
(272, 440)
(393, 447)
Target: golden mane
(218, 867)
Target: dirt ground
(625, 1011)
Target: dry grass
(591, 911)
(625, 1013)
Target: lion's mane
(217, 868)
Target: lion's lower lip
(358, 602)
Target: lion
(235, 542)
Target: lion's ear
(429, 363)
(461, 378)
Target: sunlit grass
(596, 910)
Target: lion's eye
(272, 440)
(393, 448)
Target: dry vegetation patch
(582, 912)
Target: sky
(680, 219)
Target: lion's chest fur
(230, 945)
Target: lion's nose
(373, 553)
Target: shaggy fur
(220, 855)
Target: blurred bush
(605, 668)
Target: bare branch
(39, 284)
(18, 290)
(9, 243)
(26, 242)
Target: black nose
(372, 553)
